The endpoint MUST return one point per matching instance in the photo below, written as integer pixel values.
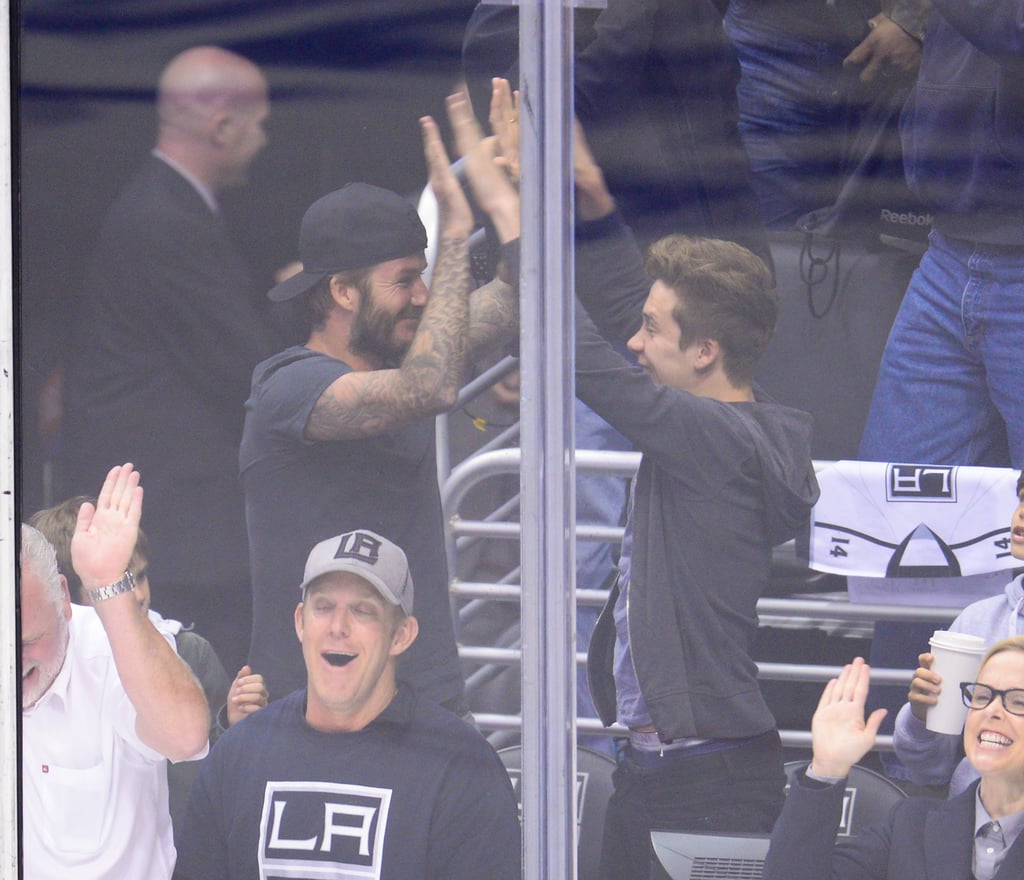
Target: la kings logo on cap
(322, 829)
(359, 545)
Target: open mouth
(336, 658)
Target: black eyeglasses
(978, 696)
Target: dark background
(348, 81)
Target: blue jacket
(963, 125)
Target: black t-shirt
(418, 793)
(297, 493)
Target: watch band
(115, 589)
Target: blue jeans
(949, 389)
(796, 112)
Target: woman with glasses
(976, 834)
(932, 758)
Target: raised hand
(504, 122)
(248, 694)
(840, 735)
(925, 687)
(105, 534)
(492, 188)
(456, 217)
(592, 197)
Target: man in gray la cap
(353, 775)
(339, 432)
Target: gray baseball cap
(368, 555)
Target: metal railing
(812, 611)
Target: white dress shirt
(94, 796)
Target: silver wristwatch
(115, 589)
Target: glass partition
(708, 117)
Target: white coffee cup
(957, 658)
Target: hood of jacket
(790, 484)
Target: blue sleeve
(930, 758)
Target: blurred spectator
(105, 701)
(169, 328)
(227, 705)
(811, 72)
(948, 389)
(655, 88)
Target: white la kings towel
(875, 519)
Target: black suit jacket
(923, 839)
(170, 325)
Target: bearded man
(339, 432)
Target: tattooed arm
(494, 308)
(493, 318)
(365, 402)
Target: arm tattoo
(361, 404)
(493, 317)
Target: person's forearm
(504, 215)
(593, 200)
(433, 368)
(804, 835)
(172, 715)
(493, 318)
(610, 278)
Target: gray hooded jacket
(719, 485)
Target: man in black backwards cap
(339, 433)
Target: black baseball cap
(353, 227)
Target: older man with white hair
(105, 702)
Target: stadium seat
(593, 788)
(720, 856)
(869, 797)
